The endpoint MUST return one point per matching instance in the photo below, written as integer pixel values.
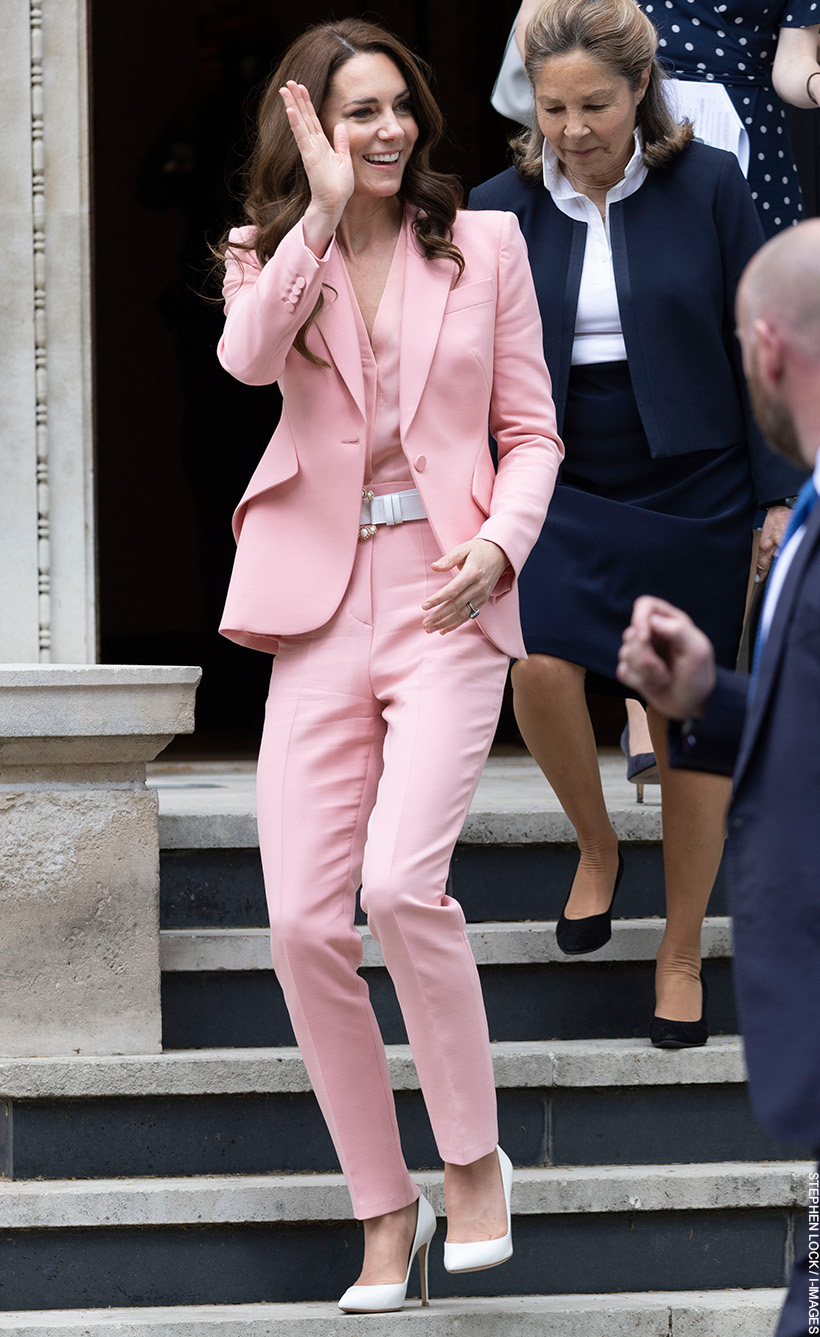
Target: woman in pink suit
(378, 551)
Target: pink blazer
(470, 355)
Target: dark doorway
(177, 438)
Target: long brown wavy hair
(277, 190)
(617, 33)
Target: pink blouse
(386, 467)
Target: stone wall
(79, 854)
(47, 592)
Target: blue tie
(807, 499)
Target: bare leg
(387, 1243)
(474, 1193)
(476, 1210)
(694, 829)
(552, 714)
(639, 739)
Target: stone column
(79, 854)
(47, 591)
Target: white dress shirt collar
(559, 186)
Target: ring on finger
(472, 612)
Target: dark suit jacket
(772, 744)
(679, 246)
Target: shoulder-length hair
(277, 190)
(618, 34)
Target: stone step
(515, 859)
(749, 1313)
(565, 999)
(219, 988)
(209, 805)
(493, 944)
(558, 1063)
(248, 1239)
(223, 888)
(252, 1112)
(275, 1199)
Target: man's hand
(771, 537)
(667, 659)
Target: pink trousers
(375, 737)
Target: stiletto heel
(642, 768)
(387, 1299)
(577, 936)
(480, 1254)
(424, 1252)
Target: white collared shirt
(781, 566)
(598, 335)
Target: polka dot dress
(734, 44)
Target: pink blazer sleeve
(522, 414)
(266, 307)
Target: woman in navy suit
(637, 237)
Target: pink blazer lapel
(426, 289)
(337, 325)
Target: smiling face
(587, 111)
(370, 96)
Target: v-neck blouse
(386, 466)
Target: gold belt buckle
(366, 531)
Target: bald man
(765, 731)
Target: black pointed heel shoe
(641, 769)
(665, 1034)
(577, 936)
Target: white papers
(512, 95)
(712, 113)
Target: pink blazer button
(420, 463)
(289, 306)
(299, 283)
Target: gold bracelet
(809, 93)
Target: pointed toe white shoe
(476, 1256)
(387, 1299)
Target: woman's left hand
(480, 565)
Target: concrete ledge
(532, 943)
(210, 1200)
(54, 714)
(523, 1063)
(670, 1314)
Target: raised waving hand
(328, 166)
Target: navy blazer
(679, 246)
(771, 743)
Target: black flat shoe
(577, 936)
(665, 1034)
(642, 768)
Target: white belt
(392, 509)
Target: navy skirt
(622, 524)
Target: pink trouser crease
(375, 737)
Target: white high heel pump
(476, 1256)
(387, 1299)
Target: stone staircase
(196, 1190)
